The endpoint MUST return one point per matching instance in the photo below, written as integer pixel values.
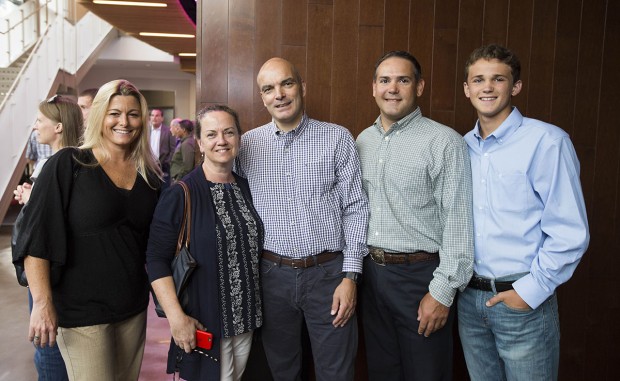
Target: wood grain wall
(570, 54)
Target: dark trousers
(291, 296)
(391, 296)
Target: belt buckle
(378, 255)
(297, 263)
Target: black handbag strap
(186, 224)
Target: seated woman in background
(90, 214)
(226, 242)
(183, 159)
(59, 124)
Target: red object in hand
(204, 339)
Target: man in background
(163, 143)
(85, 101)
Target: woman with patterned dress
(226, 242)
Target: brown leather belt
(301, 263)
(382, 258)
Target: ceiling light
(130, 3)
(149, 34)
(187, 54)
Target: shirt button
(483, 181)
(387, 138)
(376, 233)
(380, 160)
(477, 234)
(479, 261)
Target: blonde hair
(65, 111)
(141, 153)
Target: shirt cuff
(531, 292)
(442, 293)
(352, 264)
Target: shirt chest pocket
(510, 192)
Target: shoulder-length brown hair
(65, 111)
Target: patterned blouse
(238, 237)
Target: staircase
(9, 74)
(61, 56)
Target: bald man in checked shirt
(306, 183)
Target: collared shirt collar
(505, 130)
(296, 131)
(403, 123)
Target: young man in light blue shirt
(530, 228)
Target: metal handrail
(24, 67)
(23, 19)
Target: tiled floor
(16, 351)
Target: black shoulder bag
(183, 264)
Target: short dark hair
(89, 93)
(213, 108)
(495, 52)
(404, 55)
(186, 125)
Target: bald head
(278, 63)
(282, 91)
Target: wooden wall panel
(569, 52)
(398, 14)
(542, 59)
(372, 12)
(240, 74)
(520, 39)
(470, 36)
(495, 25)
(214, 75)
(565, 68)
(344, 70)
(370, 49)
(268, 24)
(294, 30)
(421, 46)
(600, 305)
(444, 57)
(319, 60)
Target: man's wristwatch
(355, 277)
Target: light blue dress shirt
(529, 212)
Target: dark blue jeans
(291, 296)
(391, 295)
(48, 361)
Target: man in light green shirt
(417, 175)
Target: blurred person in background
(59, 124)
(183, 159)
